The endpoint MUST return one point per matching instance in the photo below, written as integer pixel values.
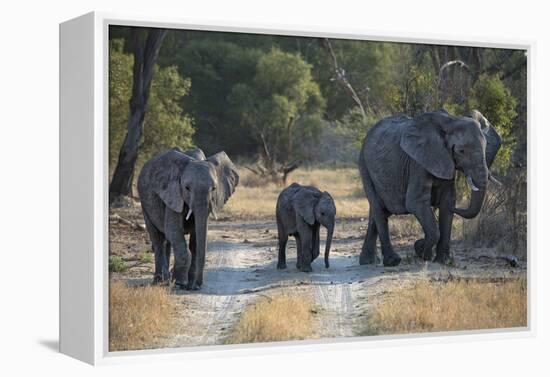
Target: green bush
(117, 264)
(165, 124)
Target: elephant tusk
(493, 179)
(471, 183)
(214, 215)
(188, 214)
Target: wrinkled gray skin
(408, 166)
(178, 191)
(300, 212)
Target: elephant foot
(420, 250)
(441, 257)
(161, 280)
(281, 266)
(368, 258)
(194, 286)
(391, 259)
(306, 268)
(181, 284)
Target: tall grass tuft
(277, 318)
(428, 306)
(137, 315)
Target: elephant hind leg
(380, 217)
(368, 252)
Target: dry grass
(427, 306)
(257, 200)
(277, 318)
(502, 222)
(137, 315)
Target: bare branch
(449, 64)
(341, 77)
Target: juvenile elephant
(300, 212)
(408, 166)
(178, 191)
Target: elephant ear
(166, 178)
(424, 141)
(228, 179)
(196, 153)
(491, 136)
(304, 202)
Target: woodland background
(279, 103)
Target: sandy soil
(241, 266)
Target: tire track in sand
(205, 316)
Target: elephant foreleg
(306, 238)
(445, 225)
(419, 203)
(315, 242)
(192, 276)
(173, 225)
(443, 245)
(368, 252)
(426, 217)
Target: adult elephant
(408, 165)
(178, 191)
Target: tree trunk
(145, 56)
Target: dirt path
(241, 265)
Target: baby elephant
(301, 210)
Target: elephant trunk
(201, 228)
(330, 232)
(476, 198)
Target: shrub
(117, 264)
(502, 222)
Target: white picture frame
(84, 191)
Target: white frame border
(100, 210)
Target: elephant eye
(322, 214)
(213, 188)
(187, 188)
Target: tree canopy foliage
(166, 124)
(255, 94)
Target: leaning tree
(145, 46)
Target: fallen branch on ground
(116, 218)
